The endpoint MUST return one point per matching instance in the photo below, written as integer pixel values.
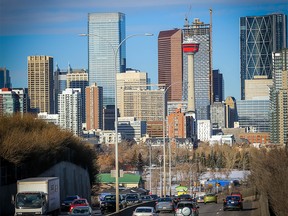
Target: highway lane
(213, 209)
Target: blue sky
(35, 27)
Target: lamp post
(150, 165)
(115, 52)
(164, 136)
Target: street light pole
(115, 52)
(164, 136)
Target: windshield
(29, 200)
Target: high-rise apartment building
(217, 111)
(9, 102)
(201, 33)
(170, 63)
(5, 79)
(78, 78)
(218, 86)
(176, 124)
(259, 37)
(23, 97)
(94, 107)
(106, 31)
(40, 83)
(130, 79)
(70, 110)
(279, 98)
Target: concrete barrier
(129, 210)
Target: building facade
(279, 98)
(217, 111)
(129, 80)
(79, 79)
(176, 124)
(200, 33)
(170, 62)
(258, 88)
(9, 102)
(254, 115)
(70, 111)
(259, 37)
(94, 107)
(5, 79)
(218, 86)
(60, 83)
(40, 83)
(204, 130)
(131, 129)
(106, 31)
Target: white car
(144, 211)
(81, 211)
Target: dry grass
(26, 142)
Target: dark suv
(108, 204)
(66, 203)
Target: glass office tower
(259, 37)
(106, 31)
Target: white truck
(37, 196)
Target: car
(154, 196)
(144, 211)
(199, 199)
(146, 198)
(133, 198)
(240, 195)
(81, 211)
(208, 198)
(232, 202)
(79, 202)
(165, 204)
(187, 208)
(66, 203)
(108, 203)
(185, 197)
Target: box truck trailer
(37, 196)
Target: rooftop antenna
(186, 23)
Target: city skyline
(54, 30)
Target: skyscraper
(279, 98)
(170, 62)
(70, 110)
(259, 37)
(40, 83)
(78, 79)
(106, 31)
(200, 33)
(5, 80)
(218, 86)
(94, 107)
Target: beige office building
(130, 80)
(144, 104)
(40, 83)
(258, 88)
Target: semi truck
(37, 196)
